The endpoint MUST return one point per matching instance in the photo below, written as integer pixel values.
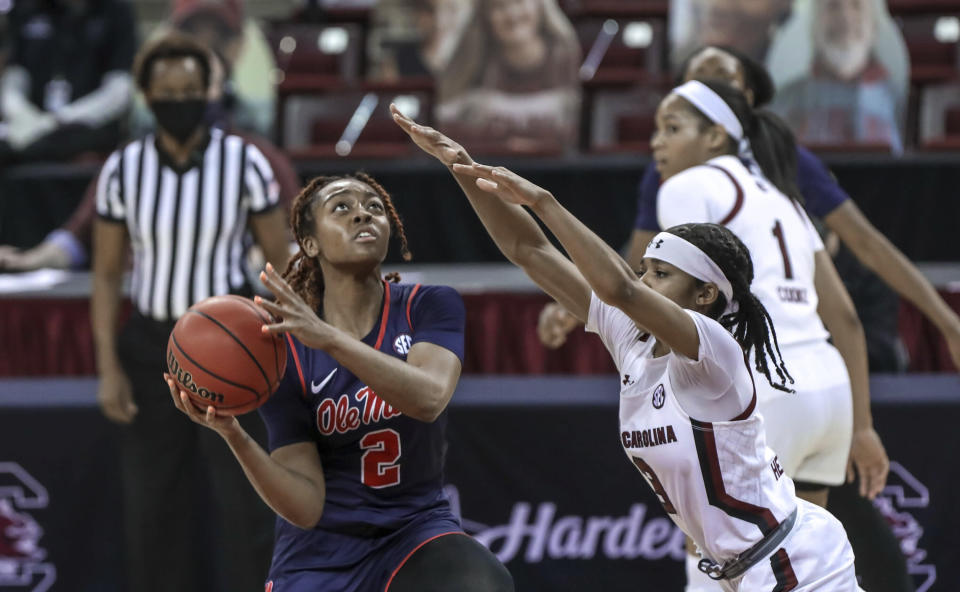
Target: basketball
(219, 356)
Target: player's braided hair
(751, 324)
(303, 273)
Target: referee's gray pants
(192, 520)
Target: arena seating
(358, 118)
(625, 51)
(622, 51)
(932, 41)
(317, 57)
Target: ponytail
(772, 144)
(750, 325)
(775, 150)
(753, 329)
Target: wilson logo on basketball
(402, 344)
(186, 380)
(658, 397)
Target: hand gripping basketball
(218, 355)
(221, 423)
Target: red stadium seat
(335, 12)
(622, 52)
(850, 147)
(932, 42)
(938, 117)
(381, 131)
(635, 128)
(900, 7)
(616, 8)
(621, 120)
(317, 57)
(950, 140)
(331, 125)
(952, 122)
(947, 144)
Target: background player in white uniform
(688, 419)
(702, 151)
(698, 149)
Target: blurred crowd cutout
(241, 98)
(841, 67)
(842, 74)
(245, 98)
(66, 83)
(505, 76)
(513, 77)
(414, 38)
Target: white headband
(710, 104)
(688, 258)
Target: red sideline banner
(52, 337)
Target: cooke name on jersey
(798, 295)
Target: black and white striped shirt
(186, 225)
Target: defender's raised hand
(504, 183)
(431, 141)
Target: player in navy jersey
(357, 426)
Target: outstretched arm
(839, 315)
(877, 253)
(514, 230)
(609, 276)
(555, 323)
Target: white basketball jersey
(780, 236)
(718, 481)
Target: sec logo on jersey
(658, 397)
(402, 344)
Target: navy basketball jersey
(382, 468)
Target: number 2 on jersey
(378, 465)
(787, 268)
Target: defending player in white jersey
(725, 163)
(687, 412)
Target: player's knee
(496, 578)
(481, 571)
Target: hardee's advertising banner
(543, 482)
(551, 492)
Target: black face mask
(179, 118)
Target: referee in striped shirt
(184, 198)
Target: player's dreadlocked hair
(303, 272)
(751, 325)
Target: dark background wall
(903, 197)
